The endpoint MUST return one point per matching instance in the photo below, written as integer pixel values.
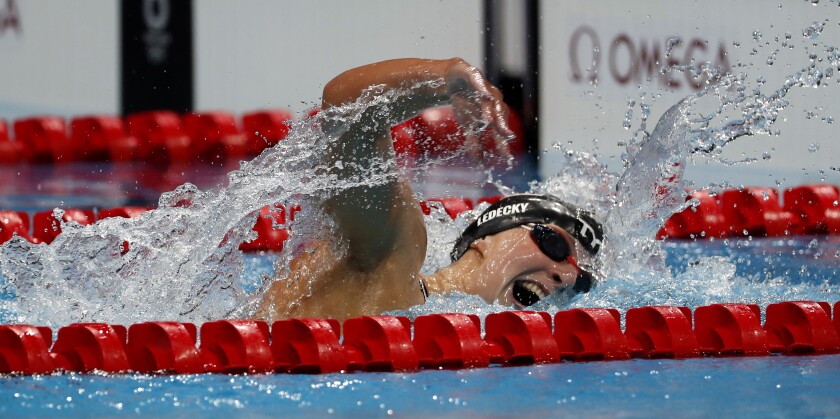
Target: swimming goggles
(554, 245)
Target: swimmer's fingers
(497, 137)
(481, 112)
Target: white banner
(58, 57)
(602, 61)
(266, 53)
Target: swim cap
(517, 210)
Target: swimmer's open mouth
(527, 292)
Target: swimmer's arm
(477, 103)
(383, 220)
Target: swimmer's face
(517, 273)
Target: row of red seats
(452, 341)
(165, 136)
(757, 212)
(45, 227)
(157, 136)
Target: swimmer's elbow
(332, 94)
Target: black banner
(157, 55)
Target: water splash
(182, 261)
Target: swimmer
(517, 252)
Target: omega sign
(156, 14)
(9, 17)
(632, 61)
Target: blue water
(775, 386)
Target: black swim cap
(517, 210)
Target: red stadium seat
(105, 138)
(46, 137)
(46, 228)
(265, 128)
(215, 135)
(161, 137)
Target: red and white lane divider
(438, 341)
(757, 212)
(747, 212)
(153, 136)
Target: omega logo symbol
(9, 17)
(627, 61)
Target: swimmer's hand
(480, 111)
(478, 105)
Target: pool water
(774, 386)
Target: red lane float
(661, 332)
(307, 346)
(730, 329)
(801, 327)
(837, 317)
(520, 338)
(45, 138)
(236, 346)
(13, 223)
(756, 211)
(161, 137)
(379, 343)
(814, 204)
(705, 219)
(584, 334)
(452, 206)
(215, 135)
(85, 347)
(270, 238)
(121, 212)
(450, 341)
(46, 227)
(164, 347)
(436, 131)
(25, 349)
(11, 152)
(441, 341)
(103, 138)
(265, 129)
